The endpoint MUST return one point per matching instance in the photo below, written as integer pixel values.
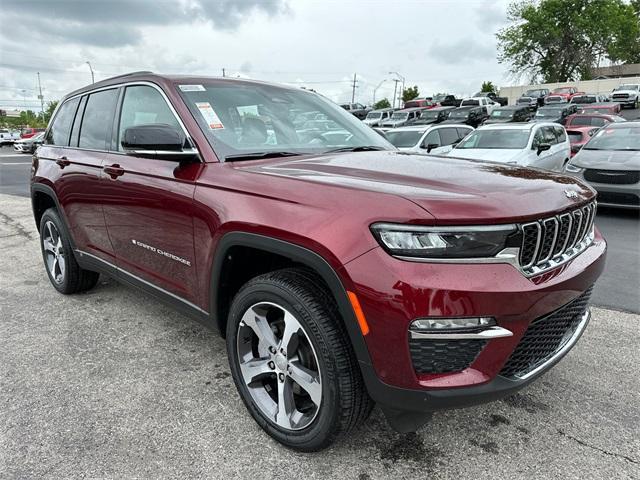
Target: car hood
(607, 159)
(452, 190)
(628, 92)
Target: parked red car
(591, 119)
(609, 108)
(578, 136)
(339, 272)
(425, 103)
(30, 132)
(562, 94)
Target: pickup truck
(628, 94)
(356, 109)
(448, 101)
(493, 96)
(485, 102)
(7, 136)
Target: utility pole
(402, 91)
(93, 79)
(353, 89)
(41, 97)
(223, 72)
(395, 89)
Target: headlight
(442, 242)
(572, 168)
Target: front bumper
(458, 290)
(614, 195)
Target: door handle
(63, 162)
(114, 171)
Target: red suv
(341, 272)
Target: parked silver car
(610, 163)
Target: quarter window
(98, 119)
(61, 126)
(143, 105)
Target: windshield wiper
(258, 155)
(363, 148)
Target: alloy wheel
(279, 366)
(54, 252)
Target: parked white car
(430, 139)
(485, 102)
(375, 117)
(542, 145)
(7, 136)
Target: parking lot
(112, 384)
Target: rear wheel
(292, 362)
(65, 274)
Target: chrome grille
(550, 241)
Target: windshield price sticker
(192, 88)
(209, 115)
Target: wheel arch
(296, 255)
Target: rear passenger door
(73, 152)
(148, 204)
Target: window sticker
(209, 115)
(191, 88)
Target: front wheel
(291, 360)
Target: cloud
(490, 15)
(462, 51)
(117, 23)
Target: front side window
(448, 136)
(144, 105)
(433, 139)
(61, 126)
(97, 119)
(549, 136)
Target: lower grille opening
(619, 198)
(443, 356)
(545, 336)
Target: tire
(63, 270)
(334, 399)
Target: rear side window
(448, 136)
(61, 126)
(143, 105)
(98, 119)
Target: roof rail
(140, 72)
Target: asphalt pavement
(111, 384)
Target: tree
(488, 87)
(410, 93)
(560, 40)
(51, 106)
(384, 103)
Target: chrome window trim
(403, 227)
(124, 85)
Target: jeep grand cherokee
(341, 272)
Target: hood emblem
(572, 194)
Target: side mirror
(543, 147)
(431, 146)
(154, 139)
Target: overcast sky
(441, 46)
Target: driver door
(148, 201)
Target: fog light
(449, 324)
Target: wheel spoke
(255, 368)
(55, 267)
(286, 405)
(260, 326)
(290, 335)
(48, 246)
(59, 244)
(50, 238)
(61, 264)
(308, 380)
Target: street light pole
(402, 91)
(375, 90)
(93, 80)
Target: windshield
(627, 87)
(459, 114)
(371, 115)
(249, 118)
(549, 112)
(562, 90)
(399, 116)
(404, 138)
(496, 139)
(574, 136)
(497, 113)
(533, 93)
(583, 99)
(468, 103)
(623, 138)
(429, 115)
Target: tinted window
(575, 136)
(97, 119)
(75, 130)
(433, 138)
(463, 132)
(61, 126)
(143, 105)
(404, 138)
(448, 136)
